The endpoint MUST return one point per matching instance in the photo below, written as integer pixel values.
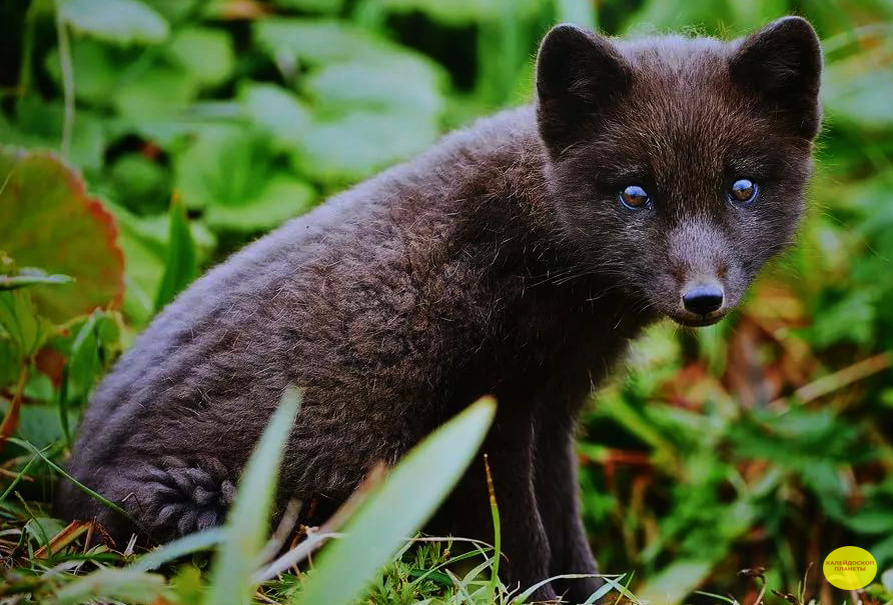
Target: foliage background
(199, 125)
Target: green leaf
(85, 353)
(119, 21)
(205, 53)
(161, 92)
(856, 89)
(247, 526)
(224, 165)
(21, 322)
(39, 423)
(394, 510)
(315, 6)
(282, 198)
(48, 221)
(42, 529)
(356, 145)
(11, 360)
(276, 111)
(97, 66)
(112, 584)
(38, 125)
(145, 241)
(317, 41)
(459, 12)
(391, 83)
(181, 265)
(873, 520)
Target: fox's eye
(743, 191)
(634, 197)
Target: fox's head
(678, 165)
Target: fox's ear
(577, 74)
(783, 63)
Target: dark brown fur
(499, 262)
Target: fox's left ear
(783, 62)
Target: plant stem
(67, 82)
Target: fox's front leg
(525, 546)
(558, 504)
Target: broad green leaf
(356, 145)
(181, 265)
(42, 529)
(224, 165)
(161, 92)
(144, 268)
(48, 221)
(39, 423)
(459, 12)
(248, 521)
(38, 125)
(317, 41)
(316, 6)
(276, 111)
(119, 21)
(205, 53)
(394, 83)
(98, 69)
(144, 241)
(396, 509)
(871, 521)
(110, 584)
(282, 198)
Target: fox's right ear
(783, 63)
(577, 74)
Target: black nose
(703, 299)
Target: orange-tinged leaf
(48, 221)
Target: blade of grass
(605, 589)
(178, 548)
(497, 532)
(612, 583)
(17, 478)
(96, 496)
(62, 401)
(181, 266)
(396, 509)
(247, 527)
(111, 584)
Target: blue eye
(743, 191)
(634, 197)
